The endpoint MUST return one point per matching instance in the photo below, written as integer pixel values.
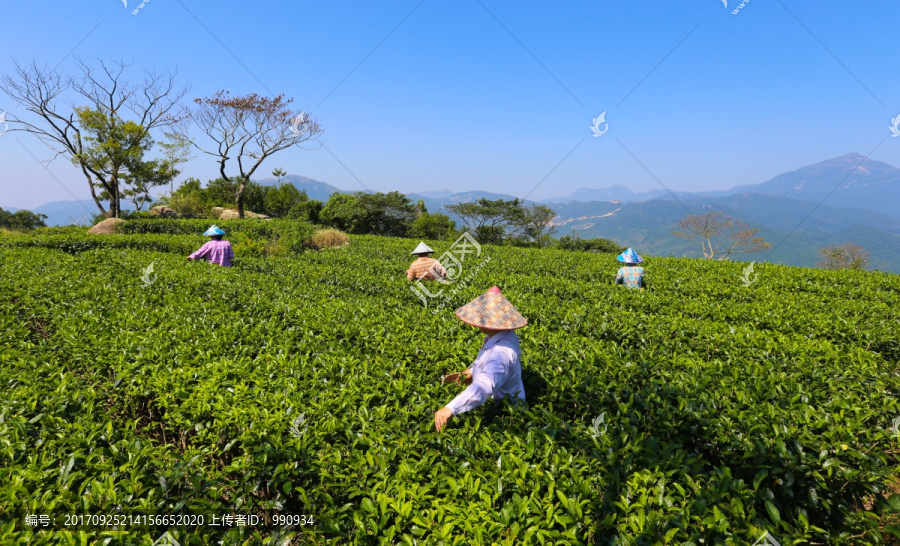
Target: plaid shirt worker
(631, 276)
(425, 269)
(218, 252)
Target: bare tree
(52, 98)
(720, 235)
(248, 130)
(846, 256)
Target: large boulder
(106, 227)
(164, 211)
(232, 214)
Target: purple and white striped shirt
(218, 252)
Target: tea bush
(700, 411)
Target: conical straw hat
(630, 257)
(491, 310)
(422, 249)
(214, 230)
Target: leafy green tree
(115, 148)
(432, 226)
(21, 220)
(308, 210)
(538, 224)
(389, 214)
(106, 139)
(279, 173)
(279, 200)
(492, 220)
(343, 211)
(575, 242)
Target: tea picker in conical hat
(497, 370)
(631, 275)
(425, 268)
(216, 251)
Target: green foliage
(21, 220)
(308, 211)
(249, 237)
(435, 226)
(342, 211)
(389, 214)
(498, 221)
(703, 412)
(116, 148)
(574, 242)
(284, 201)
(279, 200)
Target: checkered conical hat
(422, 249)
(491, 310)
(630, 257)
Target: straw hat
(491, 310)
(214, 230)
(630, 257)
(422, 249)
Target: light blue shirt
(496, 373)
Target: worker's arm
(483, 384)
(202, 252)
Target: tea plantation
(700, 411)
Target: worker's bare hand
(458, 377)
(441, 417)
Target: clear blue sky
(455, 97)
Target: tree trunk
(94, 192)
(240, 198)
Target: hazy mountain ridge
(863, 209)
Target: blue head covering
(630, 257)
(214, 230)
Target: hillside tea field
(700, 411)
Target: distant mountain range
(848, 181)
(313, 188)
(612, 193)
(843, 199)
